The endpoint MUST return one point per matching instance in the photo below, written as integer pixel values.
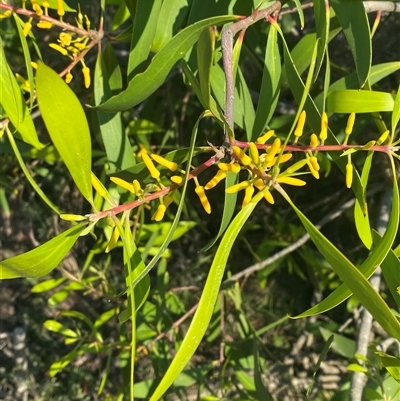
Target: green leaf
(348, 101)
(13, 103)
(361, 216)
(67, 125)
(322, 22)
(144, 29)
(53, 325)
(247, 104)
(355, 25)
(43, 259)
(207, 301)
(300, 12)
(270, 85)
(47, 284)
(107, 77)
(172, 17)
(228, 210)
(352, 277)
(144, 84)
(396, 112)
(392, 364)
(205, 55)
(341, 344)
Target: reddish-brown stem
(94, 35)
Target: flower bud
(314, 141)
(291, 181)
(216, 179)
(349, 174)
(264, 138)
(203, 198)
(159, 213)
(298, 132)
(350, 124)
(248, 194)
(254, 153)
(273, 150)
(234, 167)
(324, 127)
(237, 187)
(150, 166)
(241, 156)
(164, 162)
(383, 137)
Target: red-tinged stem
(155, 195)
(323, 148)
(95, 35)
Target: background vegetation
(67, 332)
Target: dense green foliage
(179, 175)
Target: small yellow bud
(177, 179)
(86, 76)
(113, 240)
(296, 166)
(383, 137)
(137, 189)
(58, 48)
(273, 150)
(264, 138)
(123, 184)
(68, 77)
(80, 46)
(235, 168)
(314, 172)
(314, 141)
(203, 198)
(164, 162)
(34, 65)
(254, 153)
(291, 181)
(216, 179)
(159, 213)
(60, 8)
(350, 124)
(237, 187)
(248, 194)
(38, 10)
(368, 145)
(324, 127)
(46, 3)
(27, 28)
(241, 156)
(6, 14)
(73, 217)
(87, 22)
(298, 132)
(44, 25)
(349, 175)
(268, 197)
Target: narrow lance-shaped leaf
(207, 301)
(144, 84)
(67, 125)
(355, 25)
(43, 259)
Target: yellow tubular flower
(65, 38)
(164, 162)
(216, 179)
(167, 200)
(241, 156)
(46, 6)
(314, 162)
(27, 27)
(203, 198)
(159, 213)
(314, 141)
(291, 181)
(273, 150)
(349, 174)
(259, 184)
(38, 10)
(6, 14)
(58, 48)
(324, 127)
(264, 138)
(350, 124)
(268, 197)
(150, 166)
(60, 8)
(68, 77)
(80, 46)
(86, 76)
(296, 166)
(237, 187)
(122, 183)
(284, 158)
(298, 132)
(248, 194)
(383, 137)
(235, 168)
(44, 25)
(254, 153)
(177, 179)
(314, 172)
